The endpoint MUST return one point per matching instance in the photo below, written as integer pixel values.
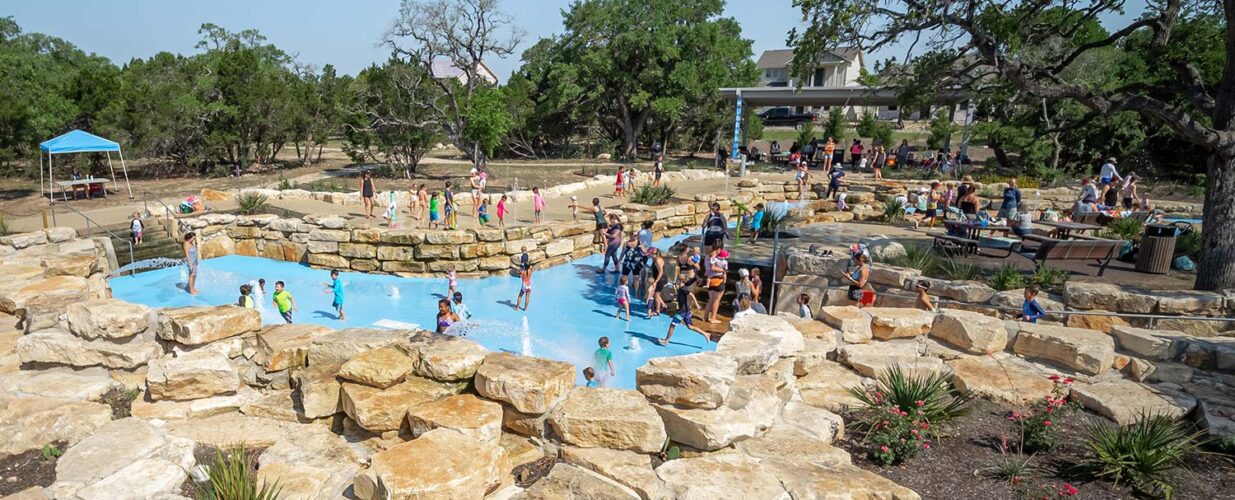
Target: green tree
(1014, 44)
(387, 121)
(941, 130)
(488, 120)
(835, 127)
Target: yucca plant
(1125, 228)
(930, 393)
(652, 195)
(954, 269)
(252, 203)
(1007, 277)
(1048, 277)
(1146, 453)
(231, 475)
(775, 217)
(893, 211)
(918, 257)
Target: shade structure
(80, 141)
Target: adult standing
(855, 152)
(657, 281)
(477, 191)
(658, 169)
(718, 268)
(858, 278)
(1011, 200)
(613, 243)
(902, 154)
(190, 260)
(367, 192)
(881, 157)
(1109, 172)
(602, 223)
(714, 227)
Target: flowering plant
(1039, 421)
(894, 434)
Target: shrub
(252, 203)
(955, 269)
(774, 217)
(806, 133)
(1022, 181)
(1145, 453)
(1189, 244)
(924, 396)
(918, 257)
(1013, 466)
(941, 129)
(1048, 277)
(836, 124)
(652, 195)
(893, 211)
(284, 184)
(1126, 228)
(866, 125)
(894, 434)
(1038, 424)
(231, 475)
(1007, 277)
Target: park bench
(1099, 250)
(948, 244)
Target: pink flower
(1054, 378)
(1069, 380)
(1069, 489)
(914, 432)
(926, 446)
(1046, 423)
(919, 402)
(883, 449)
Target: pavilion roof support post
(947, 141)
(41, 176)
(123, 169)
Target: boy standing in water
(245, 300)
(284, 302)
(460, 308)
(525, 287)
(336, 287)
(602, 361)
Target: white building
(447, 69)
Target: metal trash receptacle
(1157, 251)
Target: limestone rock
(964, 291)
(530, 385)
(753, 351)
(519, 449)
(876, 365)
(720, 476)
(523, 424)
(335, 348)
(59, 347)
(227, 429)
(608, 418)
(813, 355)
(275, 405)
(1085, 351)
(201, 325)
(890, 322)
(853, 323)
(193, 375)
(81, 264)
(789, 339)
(972, 332)
(107, 318)
(843, 481)
(112, 447)
(197, 408)
(464, 413)
(1124, 401)
(701, 380)
(29, 423)
(441, 464)
(787, 445)
(1096, 295)
(828, 387)
(1102, 324)
(815, 422)
(381, 410)
(447, 359)
(992, 379)
(752, 408)
(314, 463)
(56, 290)
(381, 367)
(60, 382)
(630, 469)
(319, 392)
(566, 481)
(286, 346)
(1161, 345)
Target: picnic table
(971, 239)
(1065, 229)
(87, 185)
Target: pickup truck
(785, 116)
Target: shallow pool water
(572, 307)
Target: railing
(90, 221)
(171, 223)
(7, 216)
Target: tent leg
(42, 188)
(113, 172)
(126, 174)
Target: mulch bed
(952, 467)
(18, 472)
(120, 401)
(527, 474)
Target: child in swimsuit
(525, 288)
(452, 280)
(623, 298)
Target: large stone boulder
(720, 476)
(312, 463)
(447, 359)
(813, 355)
(319, 392)
(1096, 295)
(381, 367)
(789, 339)
(853, 323)
(608, 418)
(381, 410)
(463, 413)
(196, 408)
(286, 346)
(60, 347)
(817, 423)
(530, 385)
(752, 408)
(972, 332)
(701, 380)
(56, 290)
(1162, 345)
(883, 248)
(204, 324)
(441, 464)
(1124, 400)
(784, 445)
(193, 375)
(28, 423)
(999, 380)
(88, 384)
(964, 291)
(754, 352)
(892, 322)
(107, 318)
(89, 469)
(82, 264)
(828, 387)
(628, 468)
(1085, 351)
(569, 481)
(331, 350)
(877, 365)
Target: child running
(684, 316)
(245, 300)
(525, 288)
(501, 211)
(284, 302)
(623, 298)
(335, 287)
(602, 361)
(1030, 309)
(538, 204)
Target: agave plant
(232, 475)
(918, 257)
(652, 195)
(1145, 453)
(252, 203)
(1007, 277)
(1126, 228)
(775, 217)
(893, 211)
(931, 393)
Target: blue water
(572, 307)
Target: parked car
(785, 116)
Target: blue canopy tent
(80, 141)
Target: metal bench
(1100, 251)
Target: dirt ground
(953, 467)
(18, 472)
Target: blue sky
(318, 32)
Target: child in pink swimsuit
(538, 203)
(501, 211)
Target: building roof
(780, 58)
(446, 69)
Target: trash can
(1157, 249)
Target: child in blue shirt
(590, 375)
(1030, 310)
(336, 287)
(756, 222)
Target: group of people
(1109, 191)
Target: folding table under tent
(80, 141)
